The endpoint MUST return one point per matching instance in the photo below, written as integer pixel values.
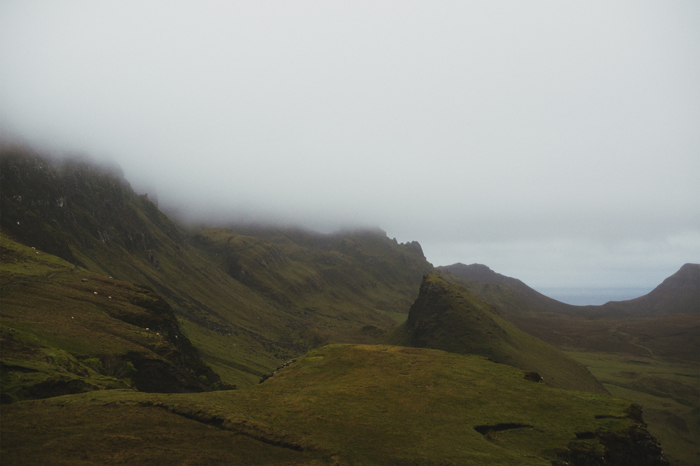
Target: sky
(555, 142)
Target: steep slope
(66, 330)
(353, 274)
(243, 325)
(88, 215)
(342, 405)
(448, 317)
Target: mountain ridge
(243, 327)
(663, 299)
(664, 322)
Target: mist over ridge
(102, 290)
(555, 143)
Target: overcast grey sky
(556, 142)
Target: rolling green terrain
(669, 392)
(664, 323)
(343, 405)
(646, 349)
(123, 335)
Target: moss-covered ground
(340, 404)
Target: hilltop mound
(448, 317)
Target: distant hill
(664, 322)
(510, 295)
(445, 316)
(678, 294)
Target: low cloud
(552, 141)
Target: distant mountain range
(663, 322)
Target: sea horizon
(593, 296)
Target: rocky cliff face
(633, 446)
(57, 204)
(88, 215)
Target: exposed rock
(268, 375)
(634, 446)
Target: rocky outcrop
(633, 446)
(270, 374)
(447, 317)
(56, 204)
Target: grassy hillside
(678, 294)
(448, 317)
(100, 290)
(247, 303)
(66, 330)
(646, 349)
(343, 405)
(356, 276)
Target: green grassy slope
(343, 405)
(678, 294)
(248, 299)
(358, 276)
(511, 296)
(672, 337)
(646, 349)
(448, 317)
(298, 290)
(66, 330)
